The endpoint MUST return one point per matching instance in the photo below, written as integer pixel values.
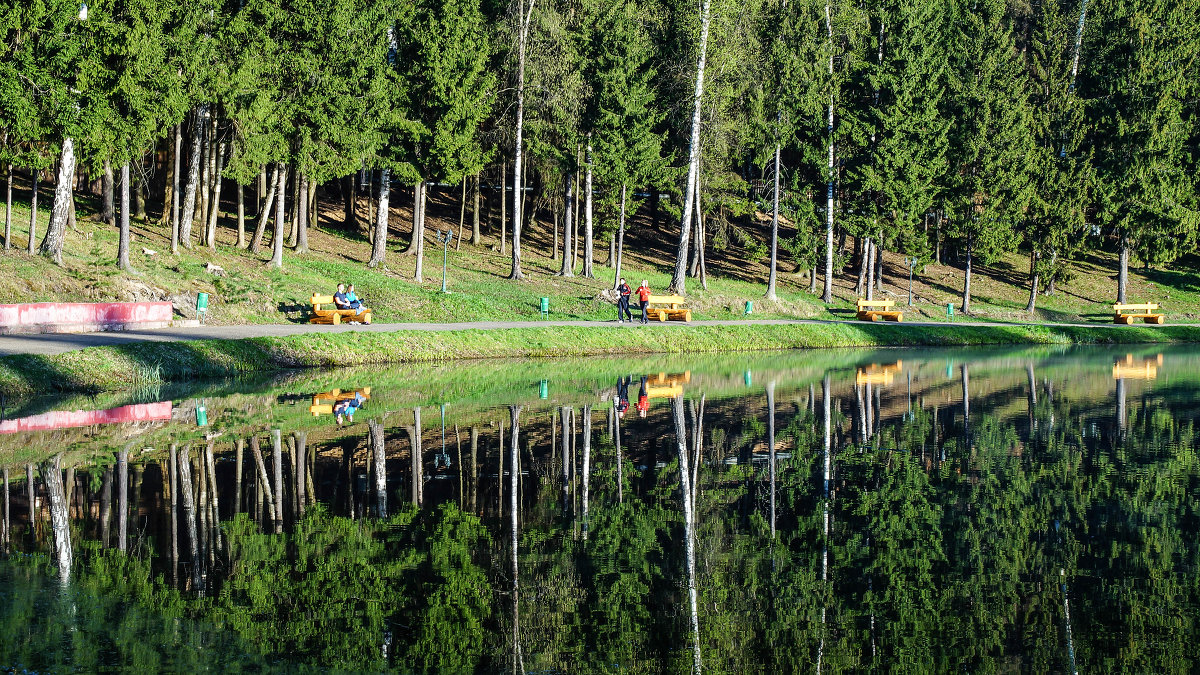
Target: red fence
(76, 317)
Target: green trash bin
(201, 416)
(747, 378)
(544, 389)
(749, 306)
(201, 305)
(949, 310)
(545, 307)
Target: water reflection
(969, 511)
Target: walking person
(643, 292)
(623, 293)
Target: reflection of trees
(51, 471)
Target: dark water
(915, 511)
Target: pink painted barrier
(62, 419)
(81, 317)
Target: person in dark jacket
(623, 293)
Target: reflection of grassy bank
(141, 364)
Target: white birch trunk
(774, 232)
(52, 243)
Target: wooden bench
(871, 310)
(665, 307)
(333, 315)
(318, 408)
(1144, 311)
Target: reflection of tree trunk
(122, 499)
(51, 471)
(828, 433)
(698, 451)
(263, 480)
(685, 488)
(966, 394)
(189, 517)
(565, 412)
(587, 459)
(277, 459)
(31, 495)
(215, 521)
(414, 442)
(6, 539)
(1032, 400)
(474, 469)
(106, 507)
(771, 437)
(620, 462)
(301, 462)
(378, 447)
(1121, 403)
(172, 471)
(239, 449)
(514, 412)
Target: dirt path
(57, 343)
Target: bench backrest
(880, 304)
(321, 300)
(667, 299)
(1145, 307)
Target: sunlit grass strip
(139, 364)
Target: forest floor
(248, 290)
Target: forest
(940, 130)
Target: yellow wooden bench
(318, 408)
(663, 307)
(870, 310)
(1144, 311)
(333, 315)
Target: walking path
(57, 343)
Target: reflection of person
(643, 403)
(352, 300)
(346, 408)
(623, 302)
(340, 300)
(643, 292)
(622, 400)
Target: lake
(901, 510)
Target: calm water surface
(896, 510)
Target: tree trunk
(56, 232)
(419, 234)
(139, 197)
(503, 207)
(349, 187)
(620, 239)
(206, 172)
(264, 214)
(678, 284)
(379, 244)
(966, 296)
(302, 216)
(568, 267)
(475, 235)
(107, 210)
(123, 245)
(8, 210)
(280, 204)
(702, 240)
(462, 211)
(1123, 271)
(37, 174)
(827, 296)
(877, 254)
(589, 253)
(189, 197)
(241, 216)
(214, 210)
(416, 219)
(869, 264)
(1050, 283)
(1034, 281)
(260, 189)
(518, 183)
(774, 236)
(176, 159)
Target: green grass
(136, 364)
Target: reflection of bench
(870, 310)
(877, 373)
(663, 307)
(333, 315)
(664, 385)
(1128, 369)
(1127, 313)
(319, 408)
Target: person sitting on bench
(352, 299)
(340, 299)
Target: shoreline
(132, 365)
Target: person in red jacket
(643, 293)
(643, 402)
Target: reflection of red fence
(70, 317)
(62, 419)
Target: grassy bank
(140, 364)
